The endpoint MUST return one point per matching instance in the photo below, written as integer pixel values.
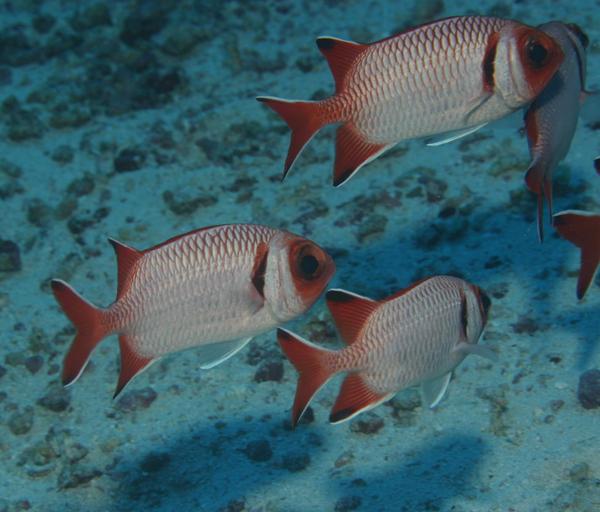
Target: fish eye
(308, 264)
(536, 53)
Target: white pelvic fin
(215, 353)
(477, 350)
(433, 390)
(452, 136)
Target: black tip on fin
(325, 44)
(336, 417)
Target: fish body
(417, 336)
(583, 230)
(213, 288)
(551, 119)
(453, 74)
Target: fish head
(478, 307)
(297, 274)
(526, 59)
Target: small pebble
(129, 159)
(34, 363)
(579, 472)
(588, 391)
(258, 451)
(348, 503)
(269, 371)
(10, 256)
(57, 399)
(20, 423)
(296, 462)
(369, 424)
(63, 154)
(137, 399)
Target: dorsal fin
(350, 312)
(126, 260)
(404, 291)
(340, 56)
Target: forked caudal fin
(304, 119)
(88, 321)
(311, 363)
(583, 230)
(540, 184)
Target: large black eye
(536, 54)
(308, 265)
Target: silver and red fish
(551, 119)
(214, 289)
(455, 74)
(417, 336)
(583, 230)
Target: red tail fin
(311, 363)
(540, 183)
(304, 119)
(87, 319)
(582, 229)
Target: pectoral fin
(452, 136)
(433, 390)
(215, 353)
(477, 350)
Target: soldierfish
(214, 289)
(454, 74)
(417, 336)
(583, 230)
(551, 119)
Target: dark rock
(81, 186)
(373, 226)
(43, 23)
(258, 451)
(79, 223)
(2, 371)
(307, 417)
(34, 363)
(182, 40)
(75, 476)
(580, 472)
(129, 159)
(137, 399)
(56, 399)
(16, 49)
(20, 423)
(369, 424)
(588, 390)
(95, 15)
(525, 324)
(63, 154)
(234, 506)
(39, 213)
(5, 76)
(148, 18)
(295, 462)
(154, 462)
(22, 124)
(348, 503)
(184, 204)
(10, 256)
(269, 371)
(69, 116)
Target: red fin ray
(583, 230)
(340, 55)
(350, 312)
(355, 396)
(88, 321)
(310, 362)
(352, 151)
(304, 119)
(131, 363)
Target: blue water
(137, 120)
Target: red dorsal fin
(350, 312)
(131, 363)
(259, 269)
(582, 229)
(404, 291)
(127, 257)
(352, 151)
(340, 55)
(355, 397)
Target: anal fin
(352, 151)
(476, 350)
(355, 397)
(131, 363)
(215, 353)
(434, 390)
